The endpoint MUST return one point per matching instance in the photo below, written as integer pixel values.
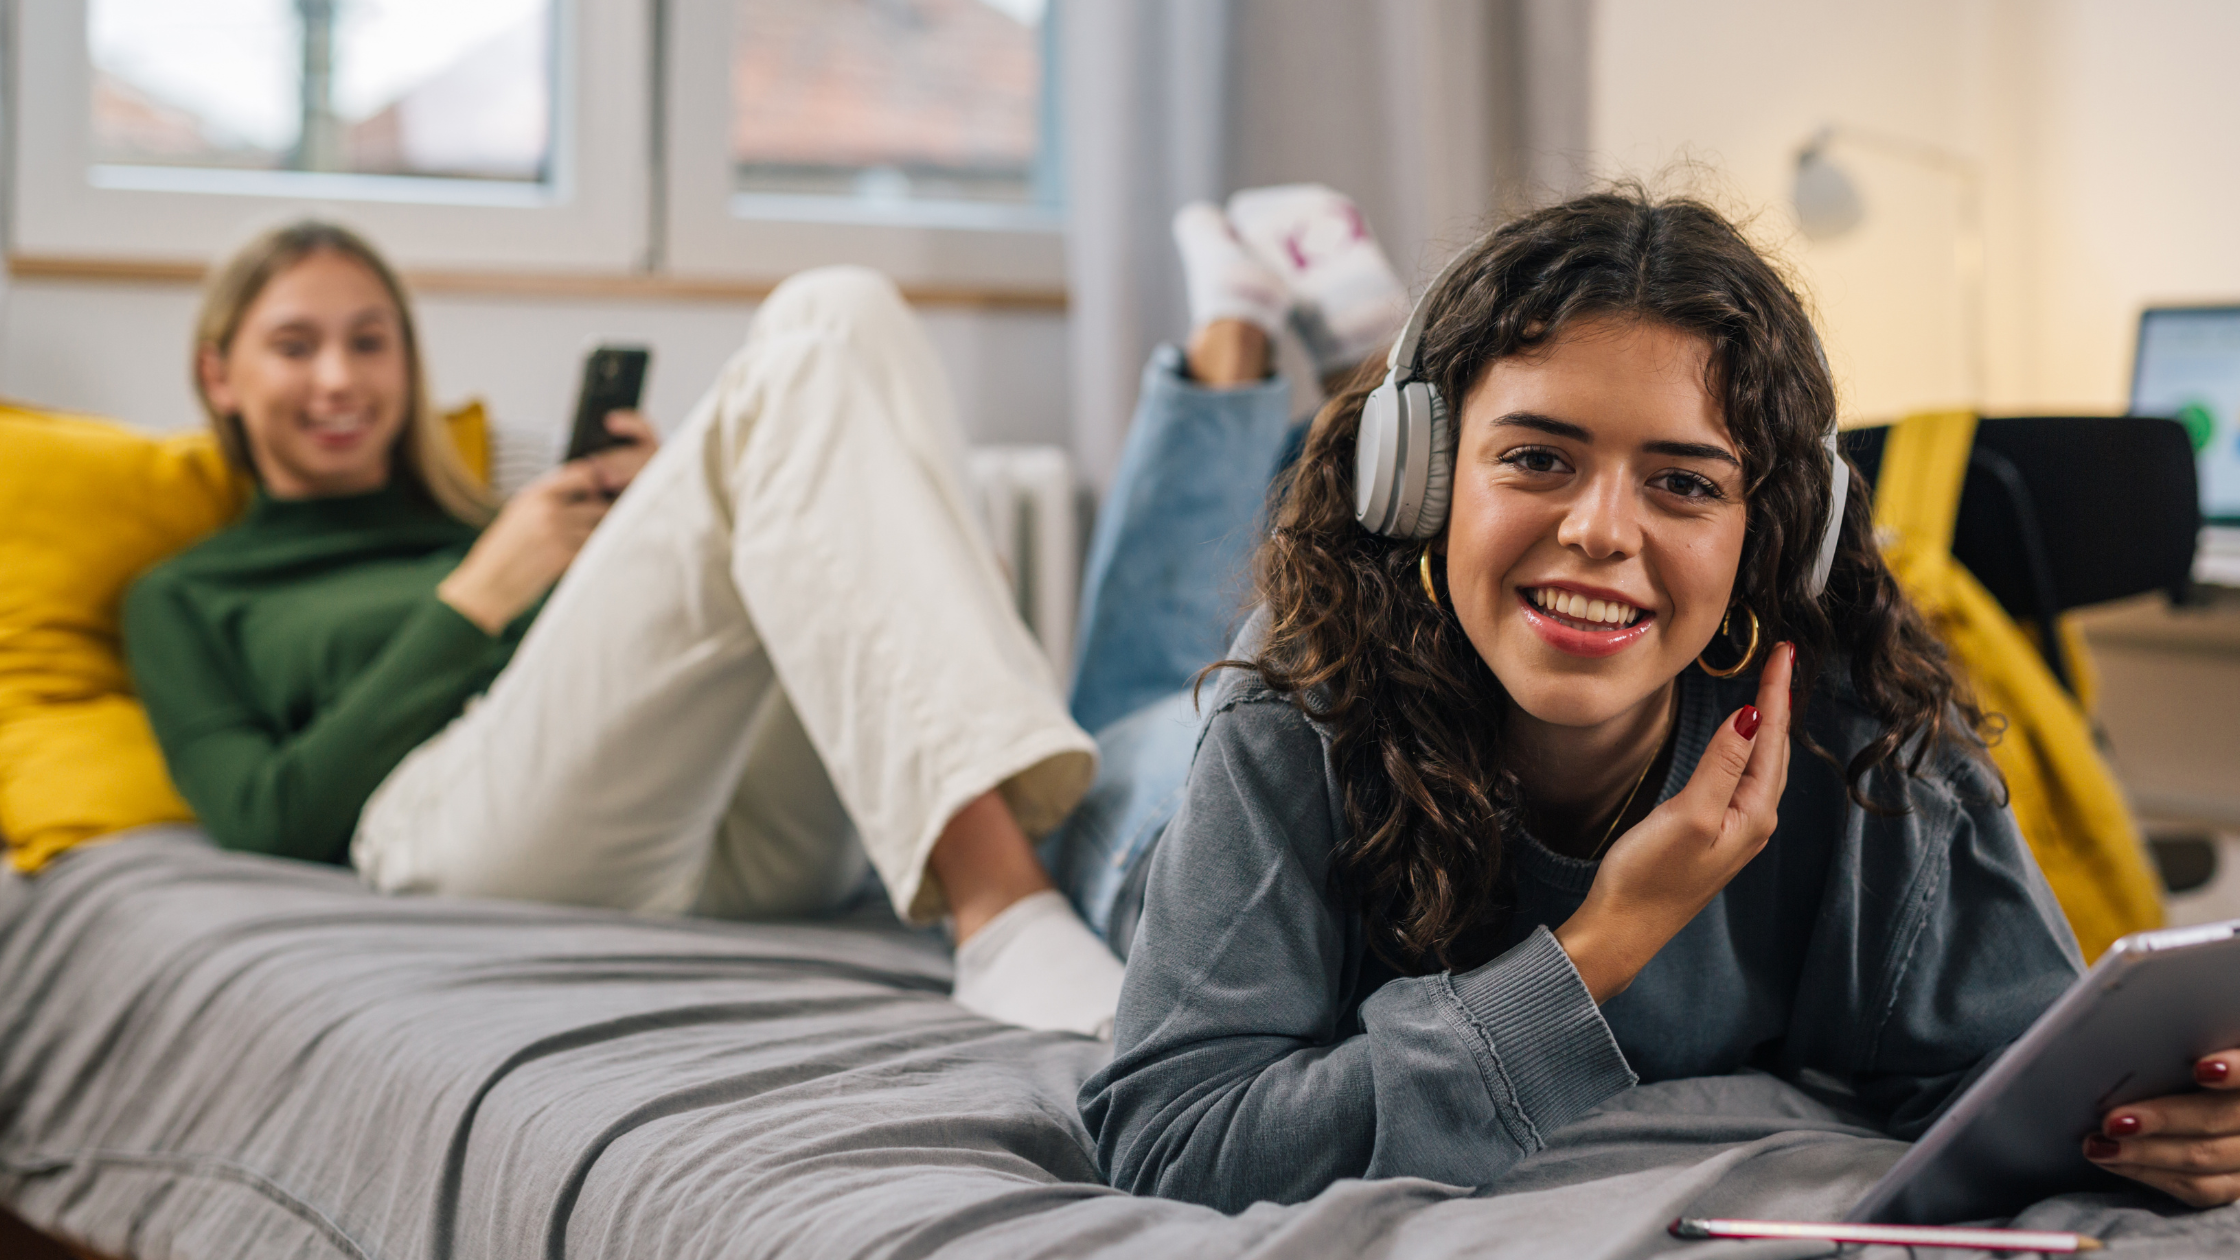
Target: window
(509, 136)
(470, 135)
(912, 135)
(453, 89)
(888, 100)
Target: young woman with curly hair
(1597, 785)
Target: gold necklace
(1620, 816)
(1612, 830)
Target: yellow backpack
(2065, 796)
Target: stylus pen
(1897, 1235)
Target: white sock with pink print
(1346, 300)
(1222, 279)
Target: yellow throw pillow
(75, 770)
(470, 432)
(86, 506)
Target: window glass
(889, 100)
(446, 88)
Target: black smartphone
(613, 378)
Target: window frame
(591, 215)
(711, 231)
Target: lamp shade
(1828, 202)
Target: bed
(210, 1055)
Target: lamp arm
(1967, 169)
(1967, 247)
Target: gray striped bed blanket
(211, 1055)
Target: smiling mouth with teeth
(1583, 613)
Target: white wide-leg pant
(789, 633)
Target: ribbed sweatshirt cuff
(1547, 1036)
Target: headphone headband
(1402, 358)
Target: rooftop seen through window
(456, 89)
(889, 100)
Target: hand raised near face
(526, 549)
(1664, 870)
(2187, 1145)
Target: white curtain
(1427, 112)
(1145, 113)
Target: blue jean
(1167, 583)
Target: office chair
(2062, 512)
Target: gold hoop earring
(1423, 570)
(1750, 653)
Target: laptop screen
(2189, 367)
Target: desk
(2170, 703)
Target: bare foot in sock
(1346, 300)
(1037, 965)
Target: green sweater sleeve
(265, 790)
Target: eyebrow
(307, 323)
(1692, 450)
(1566, 429)
(1545, 424)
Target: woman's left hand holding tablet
(2187, 1145)
(526, 549)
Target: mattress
(212, 1055)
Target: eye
(1686, 484)
(292, 348)
(1540, 460)
(370, 343)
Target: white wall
(2138, 183)
(121, 350)
(2107, 134)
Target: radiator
(1026, 497)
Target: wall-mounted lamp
(1828, 202)
(1828, 206)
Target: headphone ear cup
(1377, 457)
(1831, 533)
(1438, 481)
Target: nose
(1603, 520)
(332, 371)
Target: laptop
(2188, 367)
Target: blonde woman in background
(718, 678)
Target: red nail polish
(2097, 1147)
(2121, 1126)
(1746, 722)
(2212, 1071)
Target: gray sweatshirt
(1263, 1052)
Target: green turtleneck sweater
(290, 661)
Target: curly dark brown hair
(1412, 711)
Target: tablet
(2128, 1029)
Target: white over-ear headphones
(1403, 472)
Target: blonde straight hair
(425, 455)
